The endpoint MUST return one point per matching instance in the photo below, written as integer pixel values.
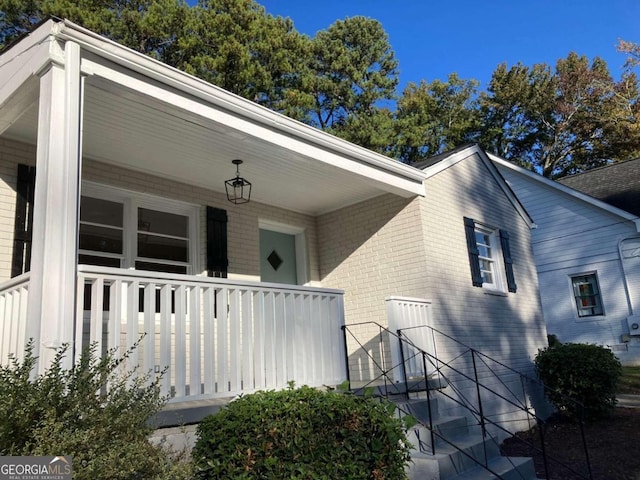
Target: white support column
(55, 222)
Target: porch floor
(190, 412)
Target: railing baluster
(247, 341)
(149, 314)
(195, 380)
(235, 360)
(165, 337)
(208, 302)
(180, 370)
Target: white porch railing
(218, 337)
(410, 316)
(14, 295)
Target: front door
(278, 257)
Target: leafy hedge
(70, 412)
(585, 373)
(302, 433)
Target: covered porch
(118, 144)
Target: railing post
(482, 421)
(543, 448)
(475, 377)
(584, 441)
(426, 384)
(346, 355)
(402, 365)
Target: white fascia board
(400, 178)
(566, 190)
(15, 71)
(451, 160)
(456, 157)
(33, 39)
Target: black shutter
(508, 261)
(217, 262)
(23, 226)
(472, 247)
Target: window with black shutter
(23, 223)
(489, 257)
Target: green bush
(586, 373)
(302, 433)
(70, 412)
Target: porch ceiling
(130, 129)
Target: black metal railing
(469, 378)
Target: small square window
(587, 295)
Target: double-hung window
(489, 257)
(587, 295)
(488, 261)
(127, 230)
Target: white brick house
(123, 227)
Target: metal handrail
(477, 413)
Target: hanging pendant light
(238, 189)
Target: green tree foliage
(351, 73)
(513, 109)
(582, 373)
(562, 122)
(72, 412)
(302, 434)
(148, 26)
(435, 117)
(234, 44)
(555, 121)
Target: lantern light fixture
(238, 189)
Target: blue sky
(432, 38)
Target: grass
(630, 380)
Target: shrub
(586, 373)
(70, 412)
(302, 433)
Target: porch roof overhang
(144, 115)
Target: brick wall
(509, 326)
(243, 234)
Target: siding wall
(574, 237)
(243, 234)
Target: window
(126, 230)
(587, 295)
(489, 257)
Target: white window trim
(576, 316)
(499, 285)
(302, 269)
(132, 201)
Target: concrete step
(451, 428)
(508, 468)
(419, 408)
(449, 461)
